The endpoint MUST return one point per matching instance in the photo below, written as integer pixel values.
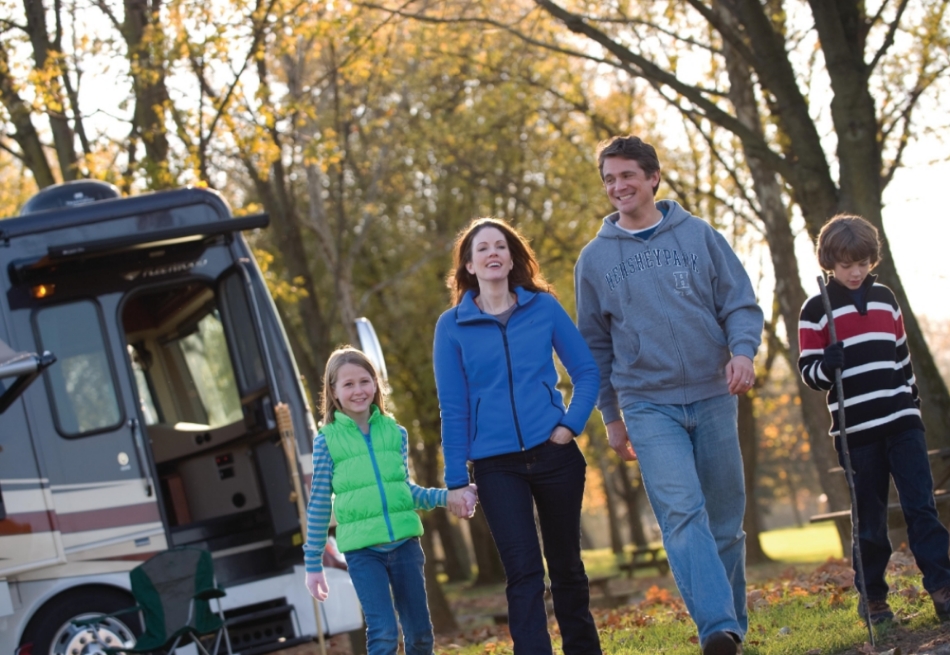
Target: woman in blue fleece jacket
(502, 410)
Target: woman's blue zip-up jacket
(497, 384)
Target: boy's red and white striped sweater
(879, 385)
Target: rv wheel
(52, 633)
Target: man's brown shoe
(721, 643)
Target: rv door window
(81, 382)
(141, 362)
(205, 353)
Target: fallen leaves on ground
(832, 582)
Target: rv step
(262, 629)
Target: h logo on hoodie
(681, 282)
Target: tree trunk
(443, 619)
(788, 287)
(43, 52)
(840, 26)
(144, 42)
(748, 444)
(598, 442)
(490, 568)
(312, 376)
(632, 499)
(25, 134)
(458, 566)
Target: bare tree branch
(891, 31)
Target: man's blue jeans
(383, 580)
(551, 478)
(692, 472)
(903, 457)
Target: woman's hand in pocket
(561, 436)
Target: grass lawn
(809, 544)
(812, 543)
(802, 604)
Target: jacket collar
(844, 295)
(673, 215)
(344, 420)
(467, 311)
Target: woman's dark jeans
(551, 478)
(903, 457)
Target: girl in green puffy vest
(361, 472)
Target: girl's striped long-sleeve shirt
(321, 503)
(878, 379)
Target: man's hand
(561, 435)
(317, 585)
(740, 374)
(619, 441)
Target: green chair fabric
(173, 590)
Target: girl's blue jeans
(692, 472)
(904, 458)
(388, 583)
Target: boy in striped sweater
(882, 410)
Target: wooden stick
(846, 456)
(285, 426)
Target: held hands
(740, 374)
(461, 502)
(317, 585)
(470, 497)
(833, 358)
(619, 441)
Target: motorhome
(155, 422)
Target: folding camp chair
(173, 590)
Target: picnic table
(941, 494)
(608, 596)
(650, 557)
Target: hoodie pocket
(654, 362)
(715, 332)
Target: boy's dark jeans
(903, 457)
(550, 477)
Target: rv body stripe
(76, 522)
(112, 517)
(26, 523)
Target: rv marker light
(43, 290)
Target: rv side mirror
(369, 344)
(17, 372)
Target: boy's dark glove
(833, 358)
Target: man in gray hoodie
(672, 320)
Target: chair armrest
(209, 593)
(92, 620)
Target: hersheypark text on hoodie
(664, 315)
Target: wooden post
(285, 426)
